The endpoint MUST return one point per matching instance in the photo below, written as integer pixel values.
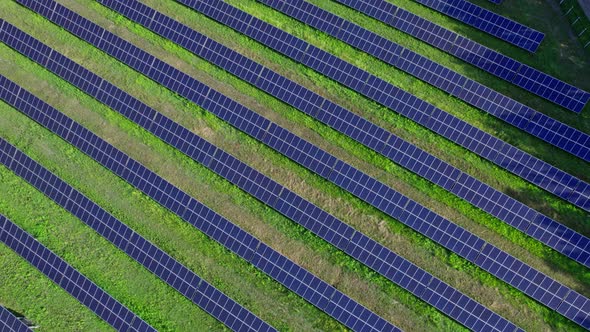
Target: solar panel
(493, 62)
(554, 132)
(228, 169)
(487, 21)
(151, 257)
(294, 277)
(8, 321)
(271, 193)
(408, 155)
(79, 286)
(487, 146)
(397, 205)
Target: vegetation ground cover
(399, 307)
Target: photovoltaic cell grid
(151, 257)
(9, 322)
(257, 178)
(509, 210)
(294, 277)
(63, 274)
(495, 1)
(359, 246)
(193, 83)
(493, 62)
(227, 171)
(546, 128)
(371, 191)
(487, 21)
(485, 145)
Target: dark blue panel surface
(467, 50)
(60, 272)
(8, 321)
(115, 231)
(487, 21)
(360, 190)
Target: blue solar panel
(326, 226)
(576, 307)
(154, 259)
(215, 226)
(455, 233)
(460, 235)
(63, 274)
(485, 58)
(8, 321)
(486, 99)
(551, 88)
(409, 23)
(444, 221)
(529, 281)
(410, 106)
(487, 21)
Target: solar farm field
(378, 287)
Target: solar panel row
(8, 321)
(509, 210)
(487, 21)
(151, 257)
(460, 241)
(493, 62)
(485, 145)
(306, 214)
(523, 117)
(277, 266)
(280, 198)
(496, 1)
(62, 273)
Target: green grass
(573, 268)
(575, 217)
(566, 213)
(514, 186)
(245, 147)
(26, 290)
(238, 197)
(204, 256)
(579, 21)
(75, 102)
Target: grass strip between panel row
(293, 115)
(88, 252)
(364, 153)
